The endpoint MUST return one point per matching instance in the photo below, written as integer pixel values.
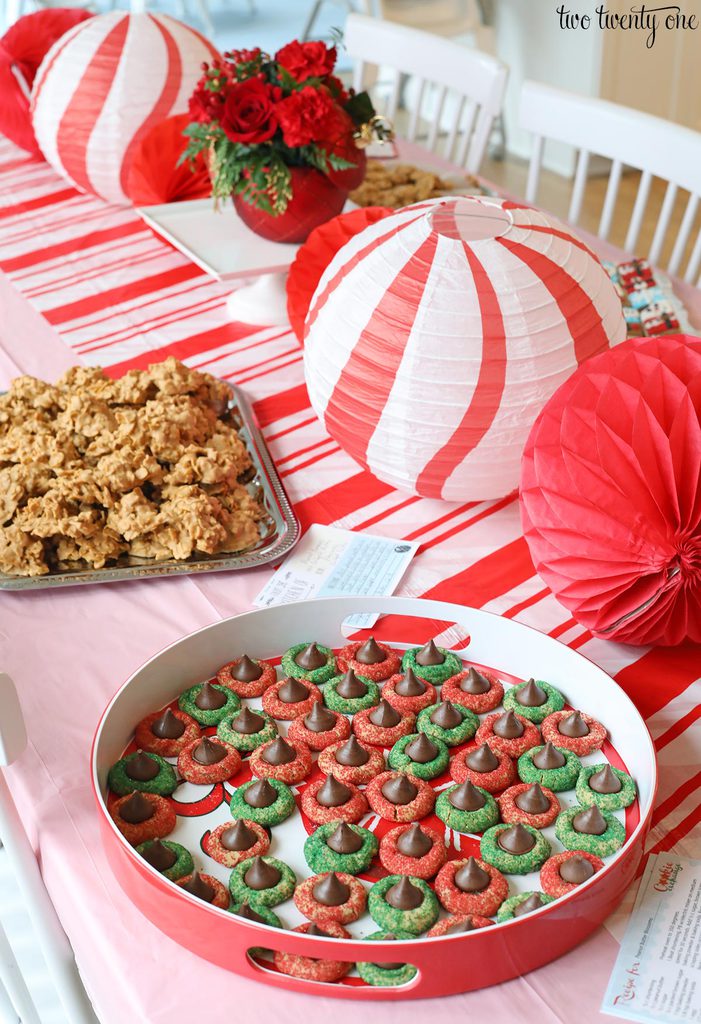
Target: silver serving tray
(280, 529)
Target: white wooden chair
(628, 138)
(455, 92)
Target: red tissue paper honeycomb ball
(611, 492)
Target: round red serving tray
(495, 954)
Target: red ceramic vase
(315, 199)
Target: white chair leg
(7, 1010)
(15, 1001)
(311, 20)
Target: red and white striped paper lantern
(436, 336)
(104, 85)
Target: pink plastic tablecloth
(84, 282)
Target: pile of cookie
(398, 184)
(466, 754)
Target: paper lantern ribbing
(436, 336)
(611, 492)
(104, 85)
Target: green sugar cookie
(322, 858)
(606, 801)
(452, 736)
(208, 716)
(349, 705)
(506, 910)
(319, 675)
(538, 712)
(271, 814)
(556, 779)
(246, 742)
(269, 916)
(393, 919)
(162, 783)
(601, 845)
(514, 863)
(373, 974)
(241, 892)
(401, 761)
(434, 673)
(467, 821)
(153, 851)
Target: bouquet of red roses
(257, 116)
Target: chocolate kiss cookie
(549, 757)
(410, 685)
(141, 767)
(248, 722)
(482, 760)
(531, 695)
(238, 837)
(573, 726)
(475, 683)
(198, 887)
(351, 754)
(384, 716)
(246, 671)
(429, 655)
(460, 926)
(576, 870)
(422, 749)
(310, 658)
(533, 902)
(370, 653)
(208, 752)
(168, 727)
(314, 929)
(404, 895)
(590, 822)
(136, 809)
(293, 691)
(279, 752)
(261, 875)
(466, 797)
(508, 726)
(209, 699)
(414, 842)
(247, 911)
(471, 877)
(260, 794)
(533, 800)
(389, 967)
(446, 715)
(516, 840)
(331, 891)
(344, 840)
(350, 687)
(333, 793)
(605, 781)
(159, 856)
(399, 790)
(319, 719)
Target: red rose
(249, 114)
(309, 115)
(307, 60)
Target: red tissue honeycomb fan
(611, 492)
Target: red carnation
(307, 60)
(309, 115)
(249, 114)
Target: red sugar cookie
(214, 848)
(313, 897)
(477, 702)
(552, 881)
(500, 777)
(160, 824)
(355, 773)
(397, 863)
(168, 745)
(277, 707)
(379, 736)
(447, 924)
(351, 810)
(511, 812)
(416, 808)
(579, 745)
(288, 772)
(247, 687)
(312, 968)
(409, 704)
(221, 893)
(375, 671)
(512, 746)
(484, 902)
(192, 770)
(299, 733)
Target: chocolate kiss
(446, 715)
(141, 767)
(245, 670)
(460, 926)
(475, 683)
(350, 686)
(247, 911)
(198, 887)
(471, 877)
(333, 793)
(279, 752)
(532, 902)
(247, 722)
(319, 719)
(310, 658)
(573, 726)
(344, 840)
(168, 726)
(466, 797)
(261, 875)
(548, 757)
(384, 715)
(508, 726)
(238, 837)
(260, 794)
(605, 781)
(482, 759)
(516, 840)
(331, 891)
(136, 809)
(413, 842)
(370, 653)
(389, 937)
(410, 685)
(293, 691)
(404, 895)
(399, 790)
(422, 749)
(352, 754)
(590, 822)
(159, 856)
(533, 800)
(429, 655)
(209, 698)
(530, 695)
(576, 870)
(207, 752)
(314, 929)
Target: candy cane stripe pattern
(99, 91)
(436, 336)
